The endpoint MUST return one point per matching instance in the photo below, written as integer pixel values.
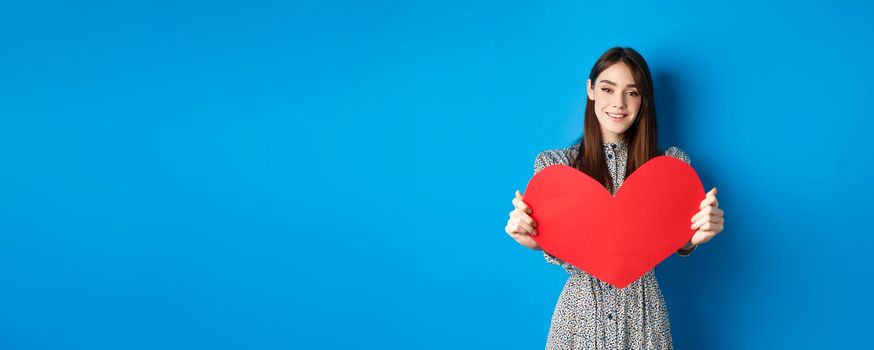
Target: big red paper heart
(616, 239)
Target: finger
(519, 204)
(707, 202)
(700, 222)
(701, 237)
(527, 241)
(716, 228)
(718, 212)
(523, 239)
(528, 209)
(709, 233)
(712, 193)
(523, 228)
(527, 219)
(706, 211)
(697, 238)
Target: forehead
(618, 73)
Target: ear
(589, 90)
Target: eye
(633, 93)
(606, 89)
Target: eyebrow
(614, 84)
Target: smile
(616, 117)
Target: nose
(618, 101)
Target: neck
(614, 139)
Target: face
(617, 101)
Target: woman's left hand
(709, 221)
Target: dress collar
(618, 144)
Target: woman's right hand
(521, 226)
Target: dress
(592, 314)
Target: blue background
(322, 174)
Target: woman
(619, 137)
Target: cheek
(634, 106)
(599, 110)
(600, 99)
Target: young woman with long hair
(619, 136)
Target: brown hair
(640, 136)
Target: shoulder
(678, 153)
(554, 156)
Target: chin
(619, 132)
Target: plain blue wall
(337, 175)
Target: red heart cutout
(616, 239)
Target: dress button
(609, 316)
(610, 156)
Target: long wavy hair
(640, 136)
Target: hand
(521, 226)
(709, 221)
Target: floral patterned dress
(592, 314)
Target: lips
(617, 117)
